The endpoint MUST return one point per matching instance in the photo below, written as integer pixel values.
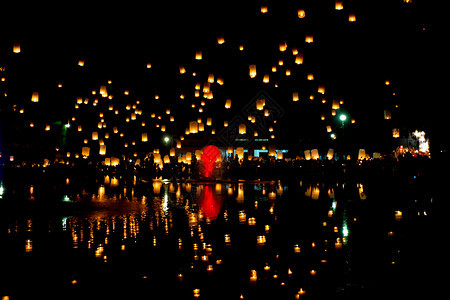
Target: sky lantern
(242, 129)
(85, 151)
(198, 55)
(395, 132)
(301, 13)
(81, 63)
(95, 136)
(144, 137)
(295, 97)
(339, 5)
(315, 154)
(266, 78)
(220, 40)
(309, 39)
(307, 154)
(252, 71)
(193, 127)
(264, 8)
(228, 104)
(352, 18)
(102, 150)
(299, 59)
(260, 104)
(16, 48)
(35, 97)
(283, 46)
(330, 154)
(182, 69)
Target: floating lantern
(102, 150)
(260, 104)
(144, 137)
(361, 154)
(35, 97)
(295, 97)
(299, 59)
(228, 104)
(266, 113)
(85, 151)
(301, 13)
(242, 129)
(220, 40)
(309, 39)
(338, 5)
(387, 114)
(330, 154)
(264, 8)
(193, 127)
(307, 154)
(315, 154)
(16, 48)
(352, 18)
(279, 154)
(81, 63)
(95, 136)
(283, 46)
(266, 78)
(395, 132)
(310, 76)
(252, 71)
(198, 55)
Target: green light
(333, 136)
(166, 139)
(67, 125)
(342, 118)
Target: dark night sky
(352, 60)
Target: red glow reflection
(209, 204)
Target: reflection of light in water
(2, 190)
(64, 223)
(165, 204)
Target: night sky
(390, 41)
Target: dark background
(391, 40)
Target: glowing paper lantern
(209, 156)
(301, 13)
(307, 154)
(330, 154)
(272, 150)
(309, 39)
(85, 151)
(279, 154)
(338, 5)
(102, 150)
(228, 104)
(220, 40)
(295, 96)
(198, 55)
(362, 154)
(252, 71)
(260, 104)
(242, 129)
(144, 137)
(299, 59)
(395, 132)
(35, 97)
(16, 48)
(315, 154)
(193, 127)
(94, 136)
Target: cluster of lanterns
(120, 113)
